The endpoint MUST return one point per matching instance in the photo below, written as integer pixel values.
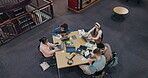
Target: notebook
(69, 44)
(70, 49)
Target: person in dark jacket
(61, 29)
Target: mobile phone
(91, 42)
(74, 37)
(56, 43)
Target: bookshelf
(80, 5)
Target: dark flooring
(20, 58)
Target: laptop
(83, 47)
(70, 49)
(80, 49)
(81, 31)
(86, 38)
(64, 39)
(61, 46)
(87, 54)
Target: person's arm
(49, 52)
(51, 45)
(55, 32)
(108, 46)
(68, 31)
(91, 30)
(92, 68)
(99, 35)
(108, 52)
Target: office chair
(108, 66)
(46, 59)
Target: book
(69, 44)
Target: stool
(120, 13)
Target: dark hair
(65, 26)
(43, 40)
(95, 31)
(97, 51)
(100, 45)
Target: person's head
(64, 27)
(44, 40)
(97, 52)
(97, 25)
(101, 46)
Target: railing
(39, 13)
(9, 5)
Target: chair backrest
(40, 51)
(107, 66)
(111, 61)
(101, 36)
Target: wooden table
(61, 56)
(120, 10)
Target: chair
(108, 66)
(46, 59)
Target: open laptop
(86, 38)
(80, 49)
(87, 54)
(64, 39)
(61, 46)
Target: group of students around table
(102, 53)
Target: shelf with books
(80, 5)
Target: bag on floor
(44, 66)
(114, 62)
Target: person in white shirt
(97, 35)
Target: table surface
(120, 10)
(61, 56)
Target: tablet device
(74, 37)
(87, 54)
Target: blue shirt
(58, 31)
(98, 65)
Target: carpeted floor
(20, 57)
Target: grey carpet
(19, 58)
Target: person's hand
(55, 45)
(90, 38)
(56, 49)
(64, 34)
(58, 35)
(96, 26)
(89, 61)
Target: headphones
(70, 62)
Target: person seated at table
(106, 50)
(61, 29)
(46, 48)
(97, 35)
(97, 66)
